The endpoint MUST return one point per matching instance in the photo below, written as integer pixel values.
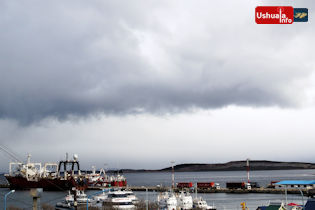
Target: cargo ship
(50, 176)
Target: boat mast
(196, 188)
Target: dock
(222, 190)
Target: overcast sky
(136, 84)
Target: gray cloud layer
(116, 57)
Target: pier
(222, 190)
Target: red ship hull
(119, 183)
(21, 183)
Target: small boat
(167, 201)
(294, 206)
(185, 201)
(273, 205)
(202, 204)
(81, 197)
(118, 200)
(103, 196)
(70, 206)
(100, 198)
(64, 206)
(68, 202)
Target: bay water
(227, 201)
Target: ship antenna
(28, 158)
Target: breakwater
(222, 190)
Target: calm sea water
(262, 177)
(22, 199)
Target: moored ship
(101, 179)
(51, 176)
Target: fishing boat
(50, 176)
(101, 179)
(97, 179)
(202, 204)
(185, 201)
(167, 201)
(80, 198)
(118, 181)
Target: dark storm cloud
(116, 57)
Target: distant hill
(233, 166)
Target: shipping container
(205, 185)
(184, 185)
(235, 185)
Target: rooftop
(296, 182)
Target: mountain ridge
(231, 166)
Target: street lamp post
(146, 198)
(302, 197)
(5, 198)
(286, 196)
(247, 165)
(173, 176)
